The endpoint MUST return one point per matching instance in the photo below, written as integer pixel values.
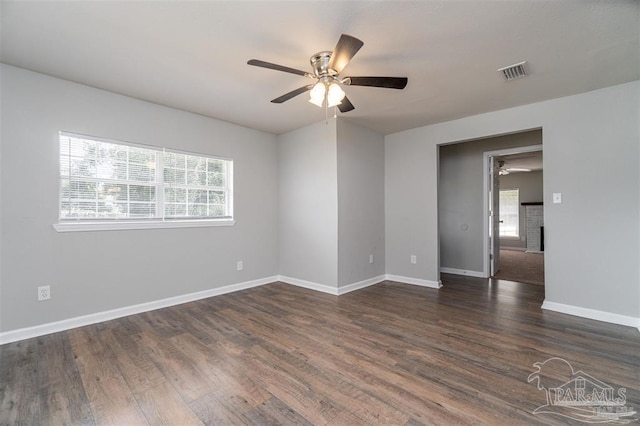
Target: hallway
(521, 266)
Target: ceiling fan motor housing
(320, 64)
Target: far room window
(509, 213)
(104, 180)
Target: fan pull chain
(326, 112)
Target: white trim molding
(336, 291)
(455, 271)
(414, 281)
(123, 225)
(54, 327)
(67, 324)
(309, 285)
(592, 314)
(361, 284)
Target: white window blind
(510, 213)
(102, 180)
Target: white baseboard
(309, 285)
(511, 248)
(414, 281)
(361, 284)
(54, 327)
(462, 272)
(592, 314)
(336, 291)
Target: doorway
(514, 215)
(462, 204)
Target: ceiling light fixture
(316, 95)
(518, 169)
(335, 95)
(332, 93)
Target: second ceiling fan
(326, 67)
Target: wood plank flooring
(391, 354)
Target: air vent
(513, 72)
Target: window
(509, 213)
(108, 181)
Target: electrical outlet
(414, 260)
(239, 265)
(44, 293)
(370, 258)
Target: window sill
(124, 225)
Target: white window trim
(128, 224)
(122, 225)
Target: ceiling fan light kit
(335, 95)
(327, 66)
(332, 92)
(316, 95)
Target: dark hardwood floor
(390, 354)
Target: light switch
(557, 198)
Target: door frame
(486, 172)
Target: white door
(494, 216)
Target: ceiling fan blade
(388, 82)
(292, 94)
(346, 105)
(345, 49)
(263, 64)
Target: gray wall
(287, 199)
(529, 186)
(331, 197)
(411, 219)
(308, 204)
(591, 261)
(360, 203)
(97, 271)
(461, 194)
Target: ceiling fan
(502, 171)
(326, 66)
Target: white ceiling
(192, 55)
